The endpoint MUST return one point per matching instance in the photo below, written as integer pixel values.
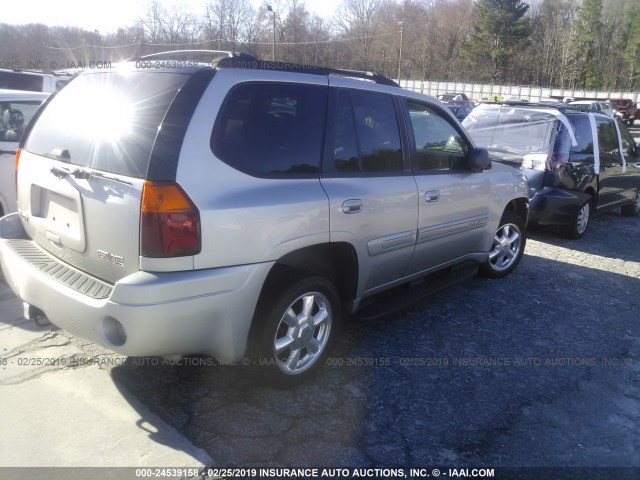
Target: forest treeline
(593, 44)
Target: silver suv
(240, 208)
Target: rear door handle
(432, 196)
(352, 206)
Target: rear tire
(507, 249)
(578, 226)
(633, 209)
(300, 325)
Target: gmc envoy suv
(241, 207)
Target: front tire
(299, 328)
(580, 222)
(507, 249)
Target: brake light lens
(169, 221)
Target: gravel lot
(538, 369)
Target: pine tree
(500, 31)
(632, 44)
(588, 28)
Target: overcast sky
(107, 15)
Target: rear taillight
(169, 221)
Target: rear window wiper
(82, 174)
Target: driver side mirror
(479, 160)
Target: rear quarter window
(272, 129)
(582, 133)
(106, 121)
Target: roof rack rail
(560, 106)
(253, 63)
(221, 54)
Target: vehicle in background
(608, 110)
(459, 109)
(32, 81)
(17, 108)
(592, 106)
(458, 103)
(239, 206)
(624, 109)
(454, 97)
(575, 162)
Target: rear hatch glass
(83, 166)
(106, 121)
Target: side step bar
(401, 297)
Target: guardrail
(532, 94)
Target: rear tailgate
(83, 167)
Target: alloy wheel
(302, 333)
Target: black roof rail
(253, 63)
(220, 54)
(560, 106)
(227, 59)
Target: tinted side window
(272, 129)
(439, 145)
(582, 131)
(628, 143)
(366, 133)
(14, 118)
(607, 137)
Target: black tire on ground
(578, 226)
(508, 247)
(298, 326)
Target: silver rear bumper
(143, 314)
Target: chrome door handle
(352, 206)
(432, 196)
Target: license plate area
(57, 215)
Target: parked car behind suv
(575, 162)
(243, 207)
(17, 108)
(593, 106)
(625, 109)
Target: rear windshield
(106, 121)
(510, 133)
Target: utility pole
(400, 55)
(273, 45)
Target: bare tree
(360, 19)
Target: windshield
(511, 133)
(582, 107)
(106, 121)
(618, 103)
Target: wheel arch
(337, 262)
(519, 206)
